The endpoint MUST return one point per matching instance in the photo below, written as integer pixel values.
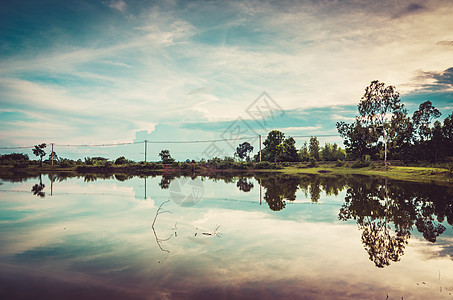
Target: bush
(21, 164)
(151, 165)
(362, 163)
(122, 161)
(18, 160)
(66, 163)
(266, 165)
(312, 162)
(450, 167)
(339, 163)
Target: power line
(164, 142)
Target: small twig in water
(215, 232)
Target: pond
(266, 236)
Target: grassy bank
(414, 174)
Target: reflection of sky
(96, 238)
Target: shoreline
(412, 174)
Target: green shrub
(65, 163)
(449, 167)
(366, 162)
(312, 162)
(122, 161)
(339, 163)
(266, 165)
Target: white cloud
(119, 5)
(166, 65)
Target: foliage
(312, 162)
(377, 102)
(304, 155)
(18, 160)
(422, 118)
(244, 150)
(357, 139)
(266, 165)
(123, 161)
(66, 163)
(362, 163)
(38, 150)
(331, 152)
(314, 147)
(339, 163)
(416, 138)
(96, 161)
(279, 149)
(166, 157)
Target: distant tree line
(382, 130)
(277, 148)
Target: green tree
(314, 147)
(289, 151)
(304, 155)
(38, 150)
(376, 104)
(244, 150)
(331, 152)
(447, 132)
(166, 157)
(272, 151)
(422, 119)
(55, 156)
(357, 139)
(400, 136)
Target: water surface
(268, 237)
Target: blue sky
(95, 72)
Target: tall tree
(400, 136)
(304, 155)
(447, 132)
(244, 150)
(314, 147)
(376, 105)
(272, 150)
(422, 119)
(38, 150)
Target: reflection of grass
(418, 174)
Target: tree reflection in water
(37, 189)
(281, 187)
(386, 211)
(244, 184)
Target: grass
(415, 174)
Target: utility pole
(146, 146)
(260, 146)
(52, 153)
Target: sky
(124, 71)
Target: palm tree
(38, 151)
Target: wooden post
(260, 192)
(260, 147)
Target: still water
(232, 237)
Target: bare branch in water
(159, 240)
